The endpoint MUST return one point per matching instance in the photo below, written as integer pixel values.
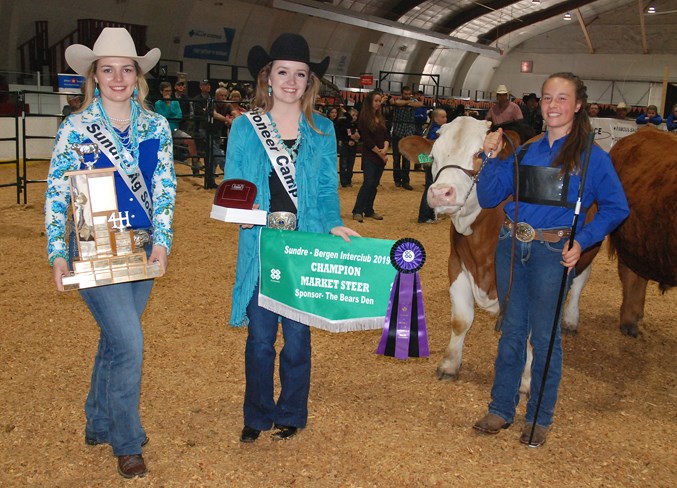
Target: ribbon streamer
(405, 316)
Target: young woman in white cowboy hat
(138, 143)
(287, 84)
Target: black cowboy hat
(287, 47)
(528, 97)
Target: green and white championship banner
(325, 282)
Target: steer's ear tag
(425, 158)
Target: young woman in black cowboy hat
(287, 83)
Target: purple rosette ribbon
(405, 316)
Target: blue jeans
(347, 154)
(260, 409)
(537, 278)
(112, 406)
(373, 170)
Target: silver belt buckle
(524, 232)
(282, 220)
(141, 238)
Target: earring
(136, 92)
(96, 92)
(270, 91)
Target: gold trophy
(107, 244)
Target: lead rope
(513, 242)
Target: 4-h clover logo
(275, 274)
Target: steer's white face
(458, 144)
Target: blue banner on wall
(70, 82)
(216, 51)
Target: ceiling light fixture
(651, 9)
(536, 2)
(567, 16)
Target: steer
(473, 235)
(646, 163)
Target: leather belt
(526, 233)
(282, 220)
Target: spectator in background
(671, 121)
(426, 215)
(182, 98)
(420, 120)
(171, 110)
(404, 124)
(235, 108)
(386, 108)
(503, 110)
(220, 126)
(375, 142)
(593, 110)
(348, 137)
(531, 112)
(74, 102)
(333, 115)
(199, 109)
(453, 108)
(650, 117)
(622, 111)
(421, 114)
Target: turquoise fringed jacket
(318, 203)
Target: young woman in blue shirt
(546, 212)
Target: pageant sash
(279, 158)
(323, 281)
(404, 331)
(98, 133)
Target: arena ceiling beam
(499, 31)
(584, 28)
(345, 16)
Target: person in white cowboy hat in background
(287, 83)
(503, 110)
(114, 109)
(621, 111)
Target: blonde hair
(436, 112)
(90, 84)
(265, 102)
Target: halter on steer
(472, 174)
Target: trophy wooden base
(111, 270)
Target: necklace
(293, 151)
(124, 136)
(121, 121)
(126, 141)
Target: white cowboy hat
(113, 42)
(501, 90)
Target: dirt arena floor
(374, 421)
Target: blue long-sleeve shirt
(602, 186)
(643, 119)
(671, 122)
